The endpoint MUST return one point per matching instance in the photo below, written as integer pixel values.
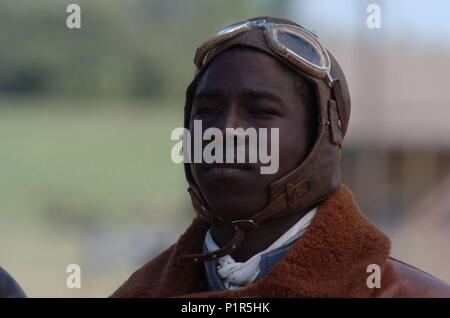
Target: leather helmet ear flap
(190, 95)
(318, 175)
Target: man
(297, 232)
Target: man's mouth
(227, 169)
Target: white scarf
(237, 274)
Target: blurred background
(86, 116)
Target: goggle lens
(302, 48)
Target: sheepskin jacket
(333, 258)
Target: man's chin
(234, 205)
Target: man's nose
(230, 119)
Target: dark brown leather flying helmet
(317, 176)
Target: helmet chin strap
(273, 209)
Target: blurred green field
(66, 171)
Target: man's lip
(227, 172)
(234, 166)
(226, 169)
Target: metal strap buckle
(245, 222)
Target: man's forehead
(246, 71)
(239, 57)
(254, 94)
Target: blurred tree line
(134, 48)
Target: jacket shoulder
(403, 280)
(9, 288)
(144, 277)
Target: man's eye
(207, 111)
(261, 112)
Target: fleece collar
(330, 260)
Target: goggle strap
(341, 109)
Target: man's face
(244, 88)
